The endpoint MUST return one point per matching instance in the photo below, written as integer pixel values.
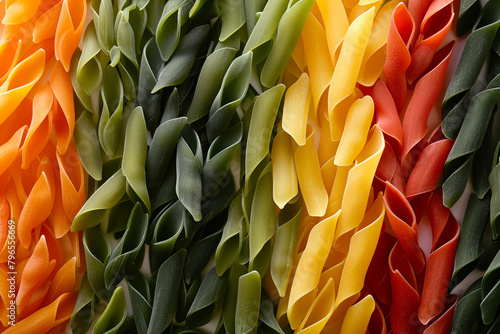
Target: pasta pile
(42, 182)
(468, 111)
(250, 166)
(341, 183)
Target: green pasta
(97, 252)
(134, 158)
(125, 253)
(467, 312)
(262, 224)
(469, 140)
(490, 291)
(114, 315)
(469, 13)
(180, 104)
(248, 302)
(166, 293)
(203, 307)
(495, 195)
(287, 235)
(231, 241)
(470, 242)
(83, 314)
(475, 52)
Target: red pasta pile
(411, 292)
(41, 177)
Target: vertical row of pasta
(468, 112)
(42, 182)
(182, 97)
(342, 216)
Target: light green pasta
(97, 252)
(114, 315)
(262, 223)
(134, 158)
(287, 235)
(248, 302)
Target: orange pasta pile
(41, 177)
(332, 151)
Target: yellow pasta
(362, 6)
(359, 180)
(361, 249)
(358, 316)
(321, 310)
(335, 199)
(342, 86)
(296, 109)
(358, 121)
(328, 171)
(336, 24)
(285, 186)
(306, 279)
(319, 63)
(374, 58)
(309, 175)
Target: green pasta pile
(469, 110)
(169, 95)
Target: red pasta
(404, 224)
(445, 231)
(423, 99)
(435, 26)
(386, 113)
(398, 57)
(405, 296)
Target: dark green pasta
(467, 312)
(470, 242)
(469, 140)
(469, 13)
(475, 52)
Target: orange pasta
(42, 182)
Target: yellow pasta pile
(328, 148)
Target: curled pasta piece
(361, 250)
(373, 62)
(386, 113)
(357, 125)
(358, 184)
(358, 316)
(318, 60)
(285, 184)
(296, 109)
(401, 32)
(424, 96)
(445, 231)
(404, 225)
(435, 26)
(342, 84)
(305, 283)
(19, 82)
(336, 23)
(309, 176)
(405, 297)
(69, 30)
